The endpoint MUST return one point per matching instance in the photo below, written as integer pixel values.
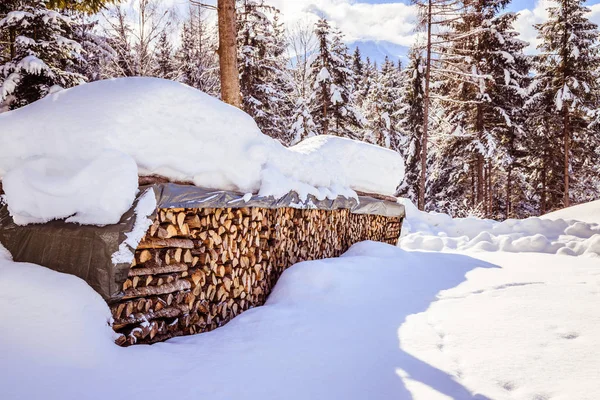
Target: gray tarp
(86, 250)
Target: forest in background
(485, 129)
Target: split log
(196, 269)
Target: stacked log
(196, 269)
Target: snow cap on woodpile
(172, 130)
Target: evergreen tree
(165, 66)
(357, 63)
(40, 55)
(482, 71)
(264, 81)
(196, 60)
(95, 46)
(333, 84)
(382, 106)
(566, 85)
(134, 38)
(410, 123)
(303, 43)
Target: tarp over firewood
(87, 251)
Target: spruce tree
(357, 63)
(566, 81)
(41, 52)
(410, 123)
(382, 107)
(481, 72)
(264, 81)
(164, 60)
(333, 84)
(195, 59)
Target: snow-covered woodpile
(197, 268)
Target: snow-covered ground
(588, 212)
(380, 322)
(549, 234)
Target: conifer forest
(484, 128)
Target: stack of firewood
(196, 269)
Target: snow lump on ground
(437, 232)
(172, 130)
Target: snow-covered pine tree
(358, 64)
(95, 47)
(164, 61)
(303, 45)
(382, 107)
(133, 30)
(264, 80)
(481, 73)
(364, 82)
(504, 117)
(410, 123)
(321, 79)
(358, 69)
(196, 60)
(40, 54)
(543, 157)
(566, 73)
(346, 117)
(333, 85)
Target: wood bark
(228, 63)
(424, 139)
(566, 198)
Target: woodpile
(196, 269)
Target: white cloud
(393, 22)
(539, 14)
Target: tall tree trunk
(566, 200)
(423, 179)
(473, 186)
(544, 195)
(230, 79)
(480, 160)
(490, 194)
(12, 36)
(508, 191)
(325, 120)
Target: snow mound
(173, 130)
(44, 305)
(4, 254)
(587, 212)
(437, 232)
(96, 190)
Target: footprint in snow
(570, 335)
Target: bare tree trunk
(544, 195)
(230, 79)
(490, 194)
(508, 191)
(325, 120)
(11, 39)
(566, 199)
(423, 180)
(480, 161)
(473, 187)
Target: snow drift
(176, 131)
(438, 232)
(587, 212)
